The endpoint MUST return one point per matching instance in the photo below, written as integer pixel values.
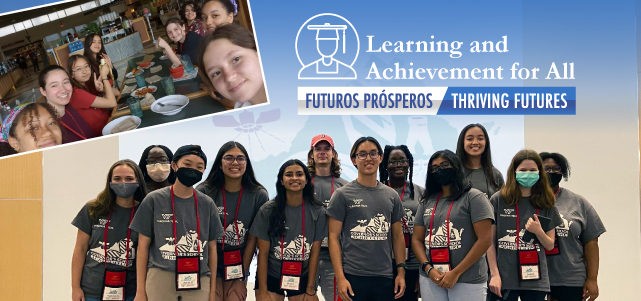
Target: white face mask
(158, 172)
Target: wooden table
(200, 103)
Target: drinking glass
(134, 106)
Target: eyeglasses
(372, 154)
(397, 162)
(553, 169)
(158, 161)
(84, 69)
(230, 159)
(443, 165)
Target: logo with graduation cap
(327, 46)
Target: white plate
(170, 103)
(151, 87)
(130, 75)
(164, 57)
(107, 129)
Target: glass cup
(131, 64)
(189, 67)
(168, 84)
(134, 106)
(140, 80)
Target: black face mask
(445, 176)
(188, 176)
(555, 178)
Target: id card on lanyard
(291, 270)
(113, 286)
(556, 250)
(528, 260)
(440, 257)
(324, 243)
(232, 259)
(187, 267)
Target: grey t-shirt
(315, 230)
(93, 271)
(323, 192)
(252, 200)
(367, 214)
(581, 224)
(481, 182)
(410, 206)
(154, 220)
(506, 255)
(470, 208)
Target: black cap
(189, 150)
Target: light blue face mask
(527, 179)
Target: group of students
(150, 235)
(79, 99)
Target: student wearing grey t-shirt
(452, 232)
(104, 241)
(573, 264)
(518, 268)
(365, 227)
(473, 149)
(178, 223)
(238, 195)
(325, 168)
(395, 169)
(289, 229)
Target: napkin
(125, 125)
(130, 81)
(128, 89)
(148, 58)
(148, 100)
(153, 79)
(156, 69)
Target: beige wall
(605, 170)
(21, 227)
(74, 174)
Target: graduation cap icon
(328, 32)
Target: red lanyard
(181, 48)
(429, 239)
(128, 235)
(282, 239)
(79, 128)
(235, 216)
(332, 184)
(557, 191)
(518, 237)
(407, 229)
(173, 215)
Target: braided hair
(384, 173)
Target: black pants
(566, 293)
(411, 276)
(513, 295)
(372, 288)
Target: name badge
(113, 288)
(556, 250)
(290, 275)
(408, 240)
(440, 259)
(233, 265)
(187, 273)
(325, 243)
(529, 267)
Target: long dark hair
(384, 173)
(542, 195)
(335, 166)
(277, 218)
(143, 163)
(459, 185)
(486, 156)
(216, 178)
(89, 86)
(194, 6)
(93, 58)
(106, 199)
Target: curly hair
(335, 168)
(194, 6)
(560, 160)
(384, 172)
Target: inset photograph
(72, 72)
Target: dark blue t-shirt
(190, 45)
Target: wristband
(428, 271)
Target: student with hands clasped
(365, 227)
(519, 268)
(289, 229)
(452, 231)
(177, 228)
